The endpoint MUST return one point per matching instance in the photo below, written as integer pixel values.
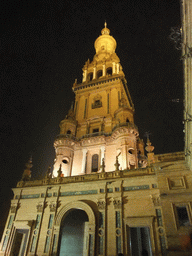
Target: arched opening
(90, 77)
(109, 71)
(95, 159)
(73, 233)
(90, 225)
(127, 120)
(69, 132)
(131, 151)
(65, 161)
(99, 73)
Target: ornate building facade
(104, 196)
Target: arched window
(90, 77)
(99, 73)
(127, 120)
(69, 132)
(95, 159)
(109, 71)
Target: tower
(101, 123)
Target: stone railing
(88, 177)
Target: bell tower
(101, 123)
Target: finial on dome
(149, 148)
(105, 30)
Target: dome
(105, 44)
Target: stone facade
(133, 202)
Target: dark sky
(44, 45)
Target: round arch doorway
(73, 233)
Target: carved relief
(156, 201)
(40, 207)
(176, 182)
(97, 103)
(101, 204)
(14, 207)
(117, 203)
(53, 206)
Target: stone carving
(53, 206)
(156, 201)
(59, 172)
(101, 204)
(14, 207)
(103, 165)
(117, 202)
(40, 207)
(117, 164)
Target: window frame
(188, 208)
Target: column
(117, 68)
(101, 203)
(159, 225)
(36, 231)
(113, 69)
(9, 228)
(104, 70)
(52, 236)
(94, 72)
(124, 157)
(84, 77)
(83, 161)
(117, 202)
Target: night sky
(43, 48)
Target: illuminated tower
(186, 11)
(101, 124)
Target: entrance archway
(73, 231)
(89, 227)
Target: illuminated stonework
(101, 123)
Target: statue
(27, 172)
(117, 163)
(48, 173)
(103, 165)
(59, 172)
